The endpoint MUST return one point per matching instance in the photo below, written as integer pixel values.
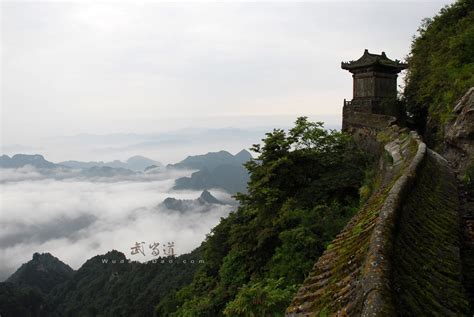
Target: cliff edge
(399, 255)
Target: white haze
(76, 219)
(166, 145)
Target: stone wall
(377, 268)
(357, 274)
(426, 279)
(364, 127)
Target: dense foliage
(122, 288)
(21, 301)
(469, 178)
(43, 272)
(303, 188)
(441, 67)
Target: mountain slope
(441, 68)
(212, 160)
(16, 301)
(216, 170)
(201, 204)
(106, 171)
(44, 271)
(119, 287)
(21, 160)
(231, 178)
(134, 163)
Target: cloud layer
(76, 219)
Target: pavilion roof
(369, 59)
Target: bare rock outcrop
(459, 134)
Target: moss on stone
(426, 232)
(426, 265)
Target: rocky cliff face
(459, 137)
(459, 150)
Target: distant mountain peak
(243, 156)
(211, 160)
(139, 158)
(43, 271)
(203, 203)
(243, 151)
(135, 163)
(42, 256)
(207, 197)
(31, 156)
(114, 254)
(151, 167)
(215, 170)
(21, 160)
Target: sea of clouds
(75, 218)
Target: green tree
(303, 188)
(269, 298)
(441, 67)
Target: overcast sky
(72, 67)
